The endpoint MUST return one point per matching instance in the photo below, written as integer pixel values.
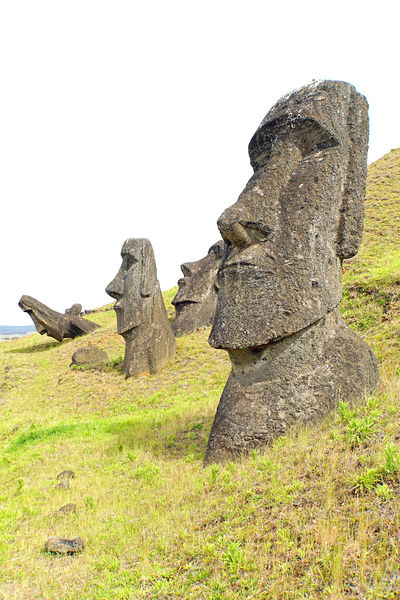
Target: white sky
(132, 118)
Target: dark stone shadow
(37, 348)
(187, 439)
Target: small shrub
(344, 411)
(391, 464)
(359, 430)
(148, 472)
(384, 491)
(89, 503)
(366, 480)
(233, 557)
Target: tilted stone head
(196, 298)
(55, 324)
(299, 215)
(141, 316)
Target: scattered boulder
(63, 485)
(277, 313)
(68, 474)
(141, 316)
(53, 323)
(59, 545)
(89, 357)
(196, 298)
(67, 509)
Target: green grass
(314, 516)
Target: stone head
(45, 319)
(298, 217)
(53, 323)
(196, 298)
(134, 285)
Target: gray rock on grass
(60, 545)
(89, 357)
(67, 474)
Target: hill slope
(315, 516)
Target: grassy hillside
(314, 516)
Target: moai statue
(196, 298)
(75, 309)
(55, 324)
(141, 316)
(277, 315)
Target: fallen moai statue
(55, 324)
(141, 315)
(196, 298)
(277, 315)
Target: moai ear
(148, 276)
(351, 222)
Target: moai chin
(141, 316)
(196, 298)
(277, 315)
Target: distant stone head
(141, 316)
(53, 323)
(196, 298)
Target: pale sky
(132, 118)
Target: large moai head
(134, 285)
(298, 217)
(196, 298)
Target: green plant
(391, 464)
(89, 503)
(384, 491)
(366, 480)
(214, 473)
(234, 557)
(359, 430)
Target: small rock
(68, 474)
(63, 485)
(64, 545)
(67, 509)
(89, 356)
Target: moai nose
(231, 228)
(115, 288)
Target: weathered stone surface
(63, 485)
(67, 474)
(196, 298)
(279, 283)
(60, 545)
(67, 509)
(55, 324)
(89, 356)
(75, 309)
(141, 316)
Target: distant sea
(10, 332)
